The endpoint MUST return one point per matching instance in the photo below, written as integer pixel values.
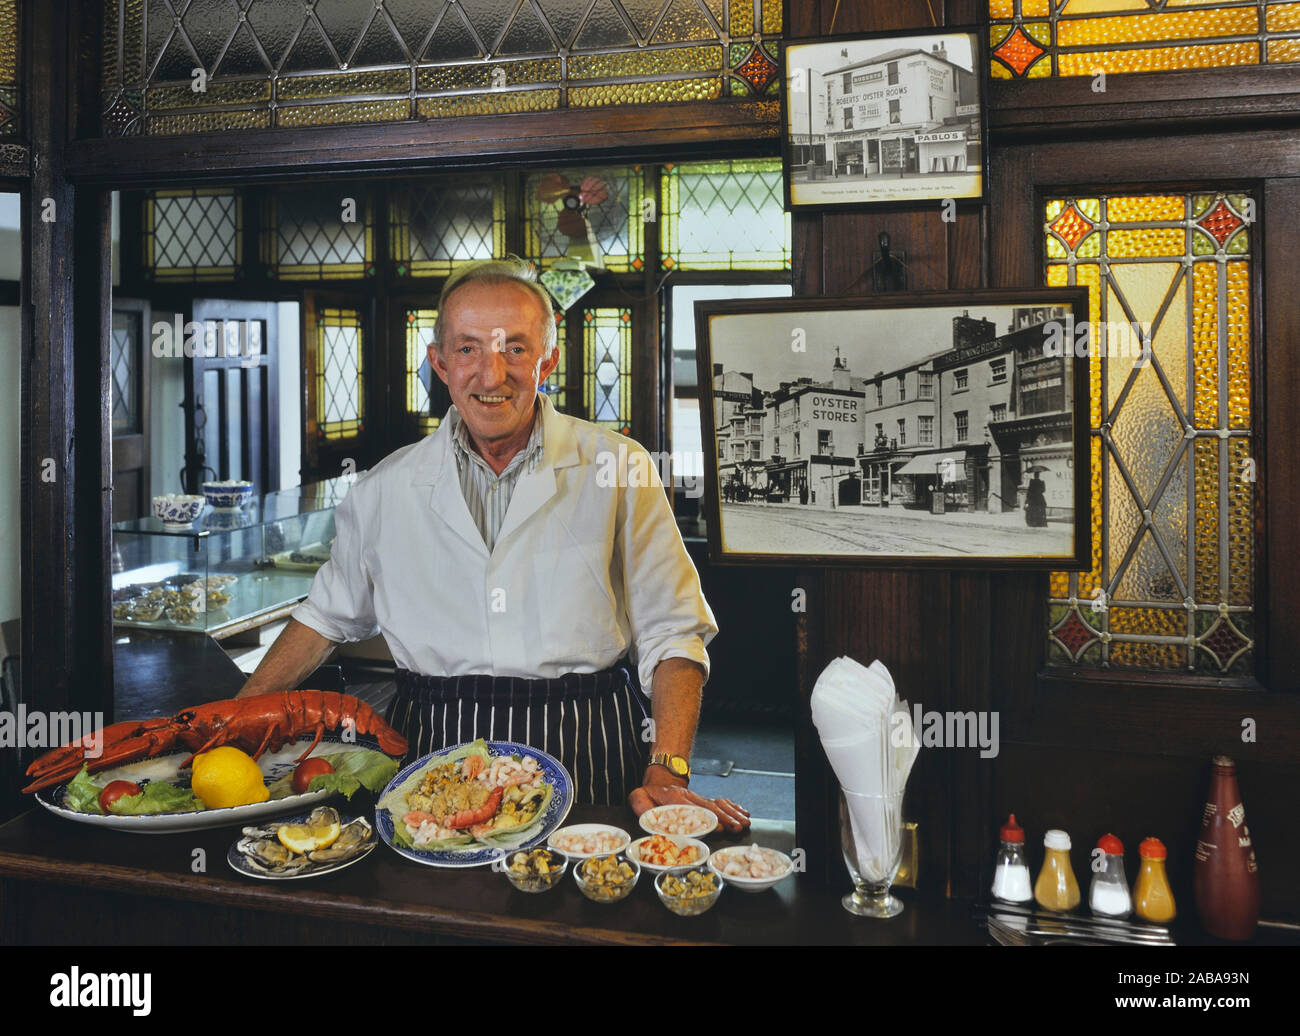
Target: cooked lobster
(255, 724)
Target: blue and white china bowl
(177, 510)
(228, 496)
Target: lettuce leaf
(157, 797)
(360, 768)
(82, 794)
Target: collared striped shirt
(487, 494)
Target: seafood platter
(175, 601)
(473, 804)
(304, 846)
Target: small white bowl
(589, 829)
(177, 511)
(708, 821)
(748, 884)
(681, 841)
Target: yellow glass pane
(742, 17)
(9, 41)
(1161, 59)
(342, 85)
(1282, 17)
(1077, 7)
(1153, 241)
(1035, 8)
(1146, 209)
(488, 75)
(645, 93)
(1090, 581)
(1089, 275)
(773, 16)
(1148, 656)
(345, 112)
(206, 122)
(419, 336)
(1282, 51)
(1207, 521)
(1205, 344)
(1156, 28)
(1241, 540)
(1238, 344)
(1001, 8)
(243, 92)
(1058, 585)
(1160, 622)
(645, 63)
(488, 103)
(1090, 207)
(340, 376)
(1057, 275)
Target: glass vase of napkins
(866, 732)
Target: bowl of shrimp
(751, 868)
(583, 841)
(679, 819)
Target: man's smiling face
(493, 361)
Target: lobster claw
(118, 744)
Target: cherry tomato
(115, 791)
(306, 770)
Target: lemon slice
(307, 838)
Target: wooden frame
(854, 185)
(727, 342)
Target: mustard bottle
(1153, 900)
(1056, 888)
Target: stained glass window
(1035, 38)
(319, 233)
(1172, 579)
(597, 215)
(724, 216)
(10, 55)
(185, 66)
(339, 373)
(193, 235)
(434, 225)
(557, 384)
(124, 369)
(419, 375)
(607, 379)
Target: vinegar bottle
(1225, 875)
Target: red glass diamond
(1018, 51)
(758, 70)
(1073, 633)
(1223, 641)
(1071, 226)
(1220, 222)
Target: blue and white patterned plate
(477, 856)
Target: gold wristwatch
(677, 765)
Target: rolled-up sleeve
(665, 605)
(340, 605)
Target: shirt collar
(465, 451)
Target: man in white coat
(523, 567)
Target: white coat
(582, 571)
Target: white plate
(708, 820)
(165, 768)
(589, 829)
(748, 884)
(681, 841)
(239, 862)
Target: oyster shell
(269, 855)
(353, 839)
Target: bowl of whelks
(751, 868)
(690, 892)
(302, 847)
(658, 853)
(583, 841)
(534, 870)
(606, 879)
(677, 819)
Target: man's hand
(731, 817)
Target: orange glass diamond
(1220, 222)
(1018, 51)
(1071, 226)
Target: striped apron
(591, 722)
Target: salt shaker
(1109, 895)
(1011, 872)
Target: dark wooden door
(232, 409)
(129, 385)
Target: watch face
(679, 765)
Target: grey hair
(510, 270)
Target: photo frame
(939, 429)
(885, 119)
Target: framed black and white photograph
(943, 429)
(884, 119)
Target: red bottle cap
(1011, 831)
(1152, 849)
(1110, 845)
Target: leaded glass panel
(192, 66)
(1172, 579)
(1038, 38)
(596, 215)
(339, 373)
(193, 235)
(10, 56)
(607, 379)
(724, 216)
(419, 374)
(319, 233)
(124, 372)
(434, 225)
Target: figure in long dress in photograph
(1036, 502)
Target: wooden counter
(67, 883)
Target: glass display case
(229, 568)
